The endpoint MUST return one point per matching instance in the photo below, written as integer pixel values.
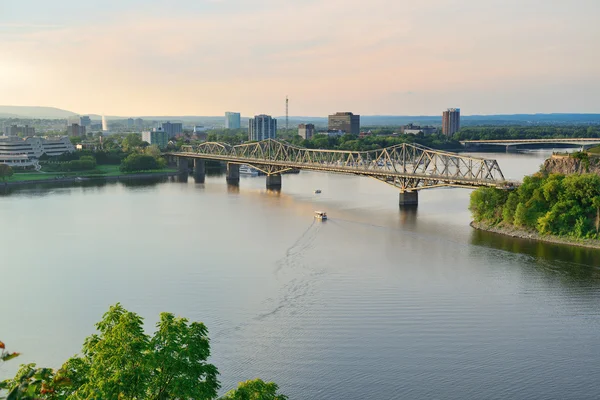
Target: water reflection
(579, 263)
(408, 216)
(233, 188)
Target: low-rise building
(157, 136)
(19, 161)
(411, 129)
(15, 130)
(35, 147)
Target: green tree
(5, 172)
(255, 390)
(131, 141)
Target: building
(139, 123)
(232, 120)
(130, 123)
(156, 137)
(451, 121)
(306, 131)
(334, 132)
(75, 130)
(172, 129)
(19, 161)
(85, 120)
(345, 121)
(15, 130)
(34, 147)
(262, 127)
(411, 129)
(200, 128)
(104, 124)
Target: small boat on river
(322, 215)
(317, 191)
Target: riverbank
(90, 178)
(532, 235)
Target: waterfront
(375, 303)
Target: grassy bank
(98, 172)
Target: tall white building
(262, 127)
(104, 124)
(232, 120)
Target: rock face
(558, 164)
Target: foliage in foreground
(551, 205)
(122, 362)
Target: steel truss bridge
(408, 167)
(515, 142)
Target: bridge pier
(199, 170)
(274, 181)
(409, 199)
(511, 149)
(233, 173)
(182, 165)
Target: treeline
(547, 204)
(523, 132)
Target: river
(376, 303)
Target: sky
(371, 57)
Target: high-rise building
(75, 130)
(232, 120)
(85, 120)
(139, 123)
(451, 121)
(172, 129)
(306, 131)
(157, 136)
(104, 124)
(262, 127)
(129, 123)
(346, 122)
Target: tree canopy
(122, 362)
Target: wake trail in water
(303, 243)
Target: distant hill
(34, 112)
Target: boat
(317, 191)
(322, 215)
(248, 170)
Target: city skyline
(501, 57)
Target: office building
(139, 123)
(344, 121)
(451, 121)
(172, 129)
(232, 120)
(130, 123)
(15, 130)
(411, 129)
(34, 147)
(85, 120)
(306, 131)
(262, 127)
(75, 130)
(156, 137)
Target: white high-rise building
(232, 120)
(262, 127)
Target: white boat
(322, 215)
(248, 170)
(317, 191)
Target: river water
(376, 303)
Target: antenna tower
(286, 113)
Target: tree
(139, 162)
(5, 172)
(131, 141)
(122, 362)
(255, 390)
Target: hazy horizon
(210, 56)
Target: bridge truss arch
(407, 166)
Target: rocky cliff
(558, 164)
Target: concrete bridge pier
(233, 173)
(182, 165)
(511, 149)
(199, 170)
(274, 181)
(409, 199)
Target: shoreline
(82, 179)
(522, 234)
